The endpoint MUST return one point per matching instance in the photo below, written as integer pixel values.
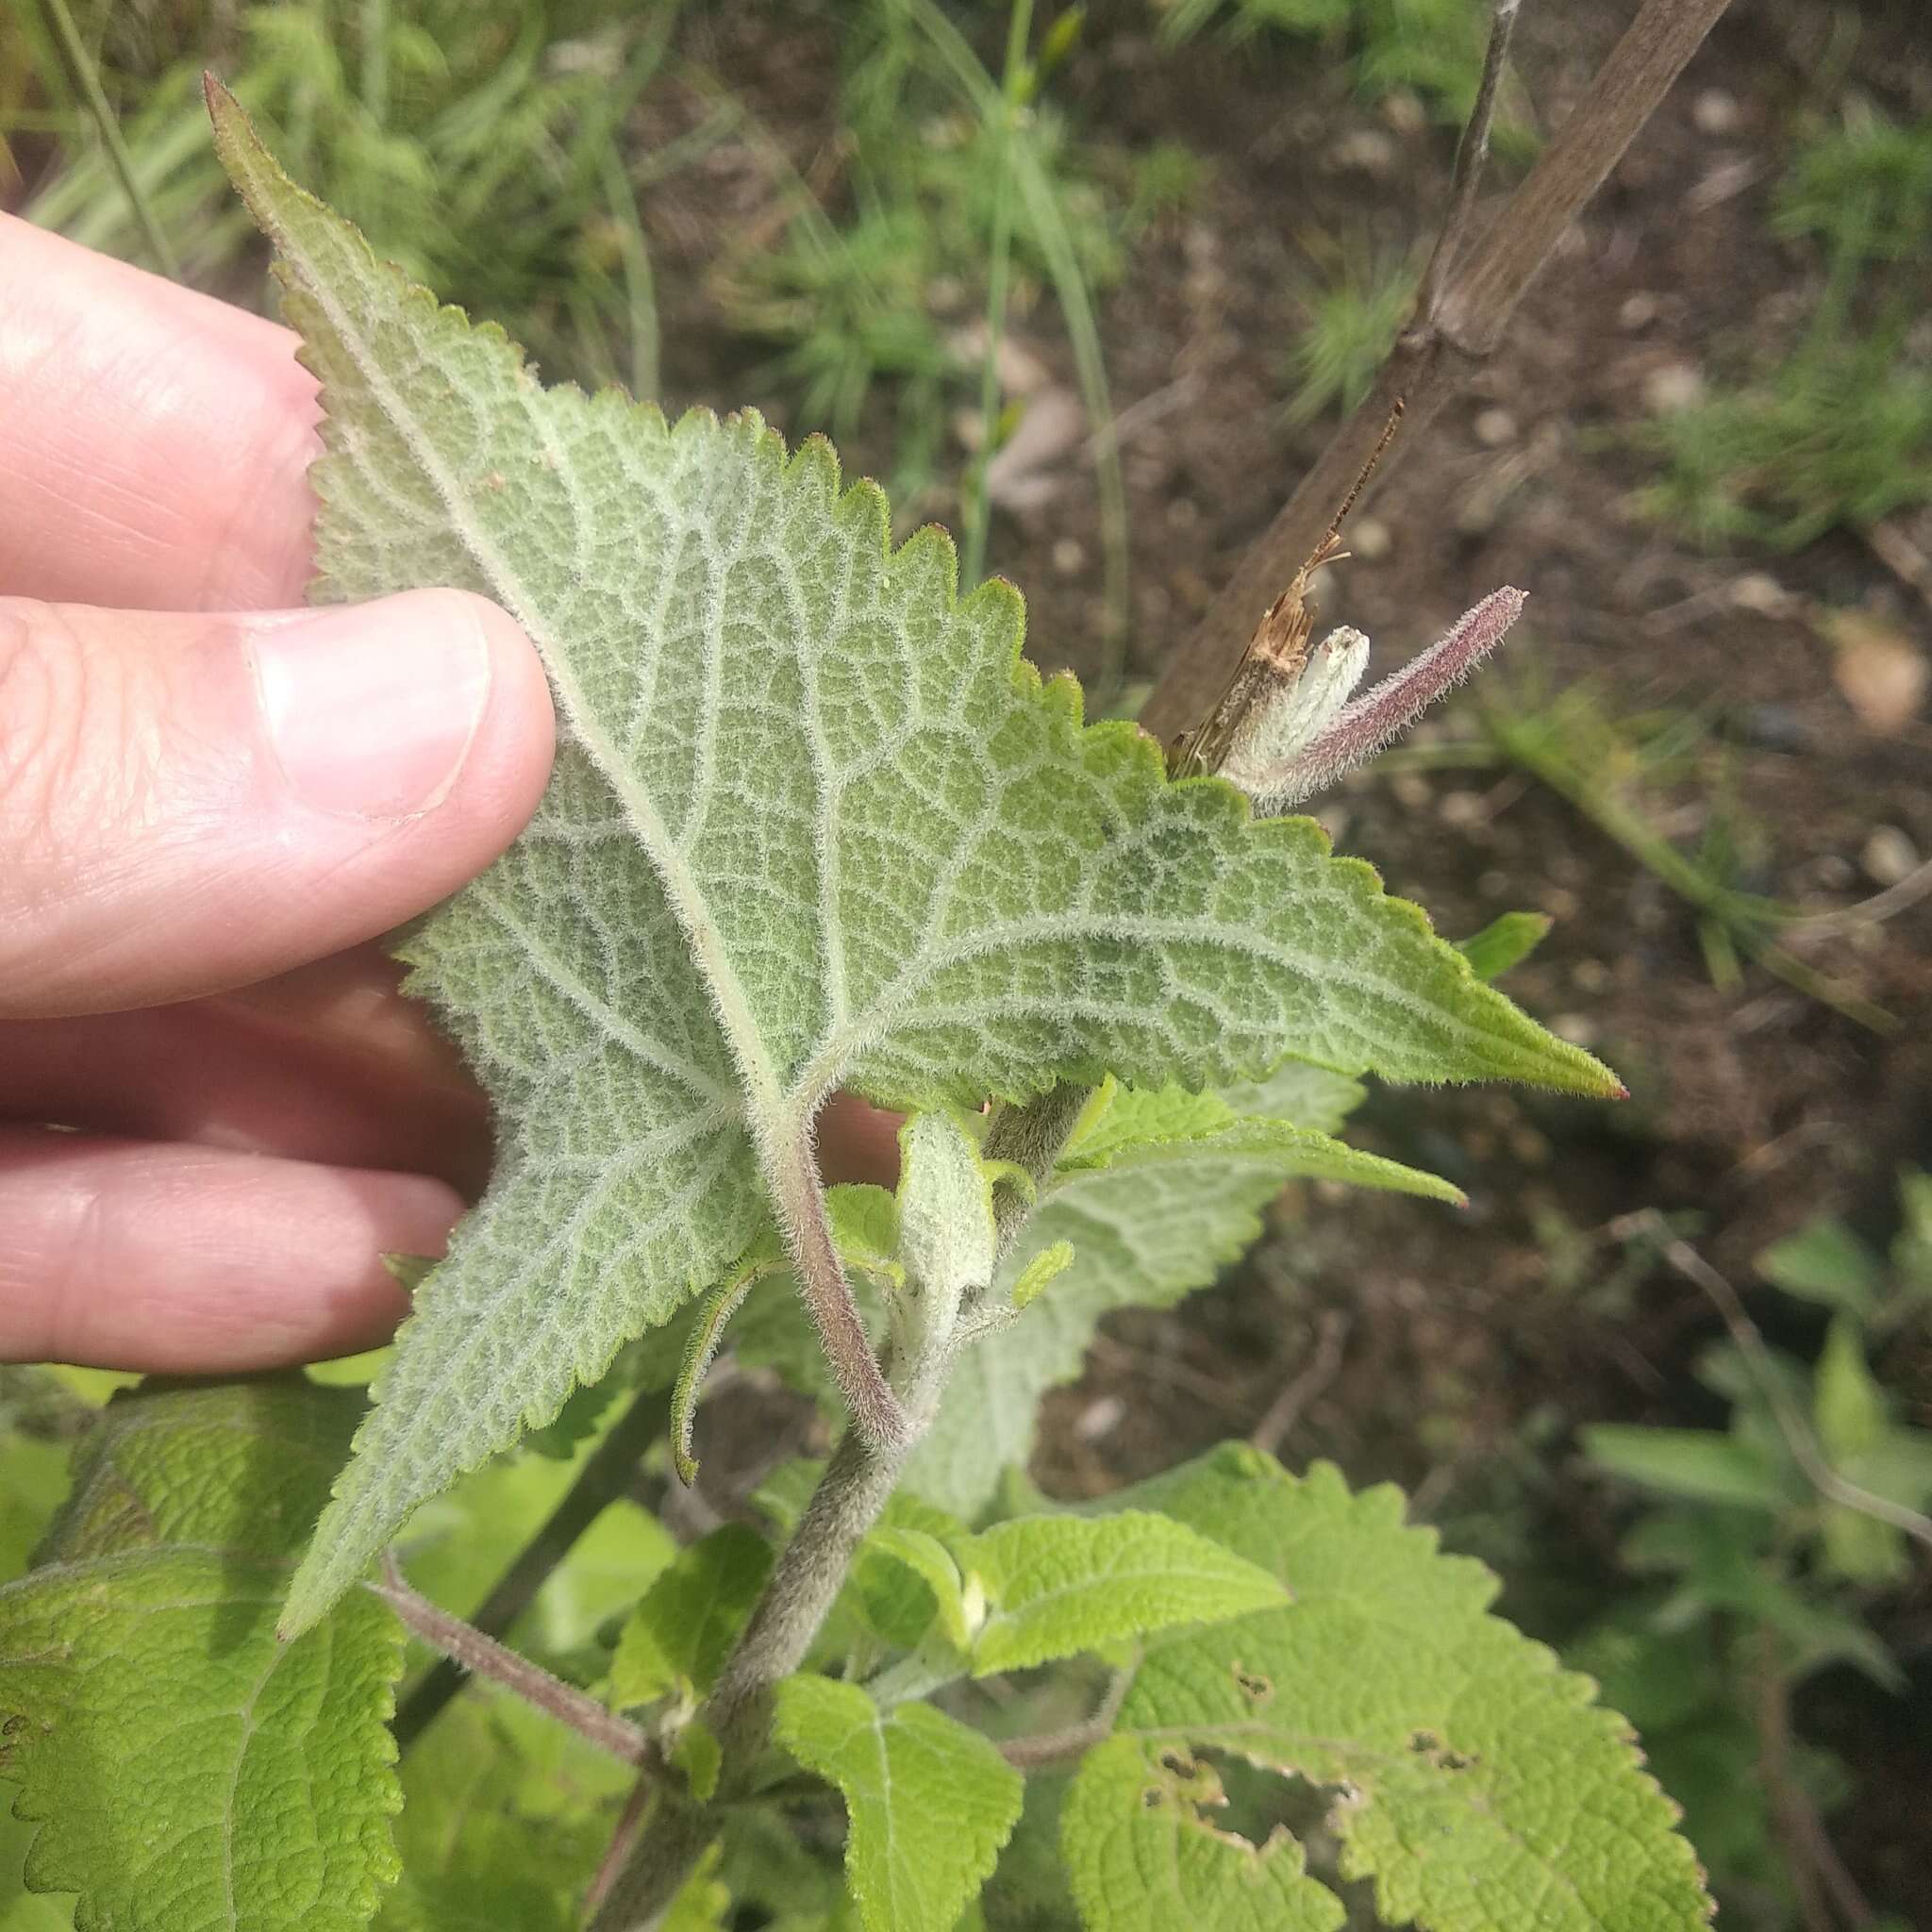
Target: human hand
(211, 801)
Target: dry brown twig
(1467, 306)
(1818, 1876)
(1323, 1366)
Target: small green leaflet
(1058, 1585)
(928, 1802)
(1476, 1782)
(1507, 941)
(813, 824)
(677, 1639)
(506, 1814)
(1145, 1852)
(1159, 1194)
(188, 1772)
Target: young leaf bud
(947, 1237)
(1356, 732)
(1282, 725)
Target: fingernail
(372, 708)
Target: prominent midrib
(688, 904)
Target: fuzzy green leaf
(1160, 1220)
(1144, 1853)
(927, 1558)
(928, 1802)
(1041, 1273)
(813, 824)
(1158, 1192)
(187, 1770)
(504, 1817)
(1507, 940)
(1309, 1096)
(678, 1637)
(1058, 1585)
(1143, 1237)
(1476, 1781)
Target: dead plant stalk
(1461, 314)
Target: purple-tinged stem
(1381, 715)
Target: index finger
(154, 443)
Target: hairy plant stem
(605, 1476)
(857, 1482)
(467, 1647)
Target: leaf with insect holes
(188, 1773)
(1145, 1852)
(813, 824)
(929, 1802)
(1473, 1780)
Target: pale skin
(217, 1110)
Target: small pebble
(1639, 311)
(1369, 149)
(1404, 112)
(1672, 388)
(1462, 809)
(1494, 427)
(1888, 856)
(1069, 557)
(1411, 790)
(1773, 727)
(1369, 538)
(1715, 112)
(1756, 590)
(1579, 1029)
(1589, 976)
(1100, 1417)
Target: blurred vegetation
(1761, 1558)
(1429, 48)
(1836, 429)
(1604, 765)
(478, 145)
(1350, 319)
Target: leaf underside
(813, 824)
(1156, 1197)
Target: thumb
(190, 802)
